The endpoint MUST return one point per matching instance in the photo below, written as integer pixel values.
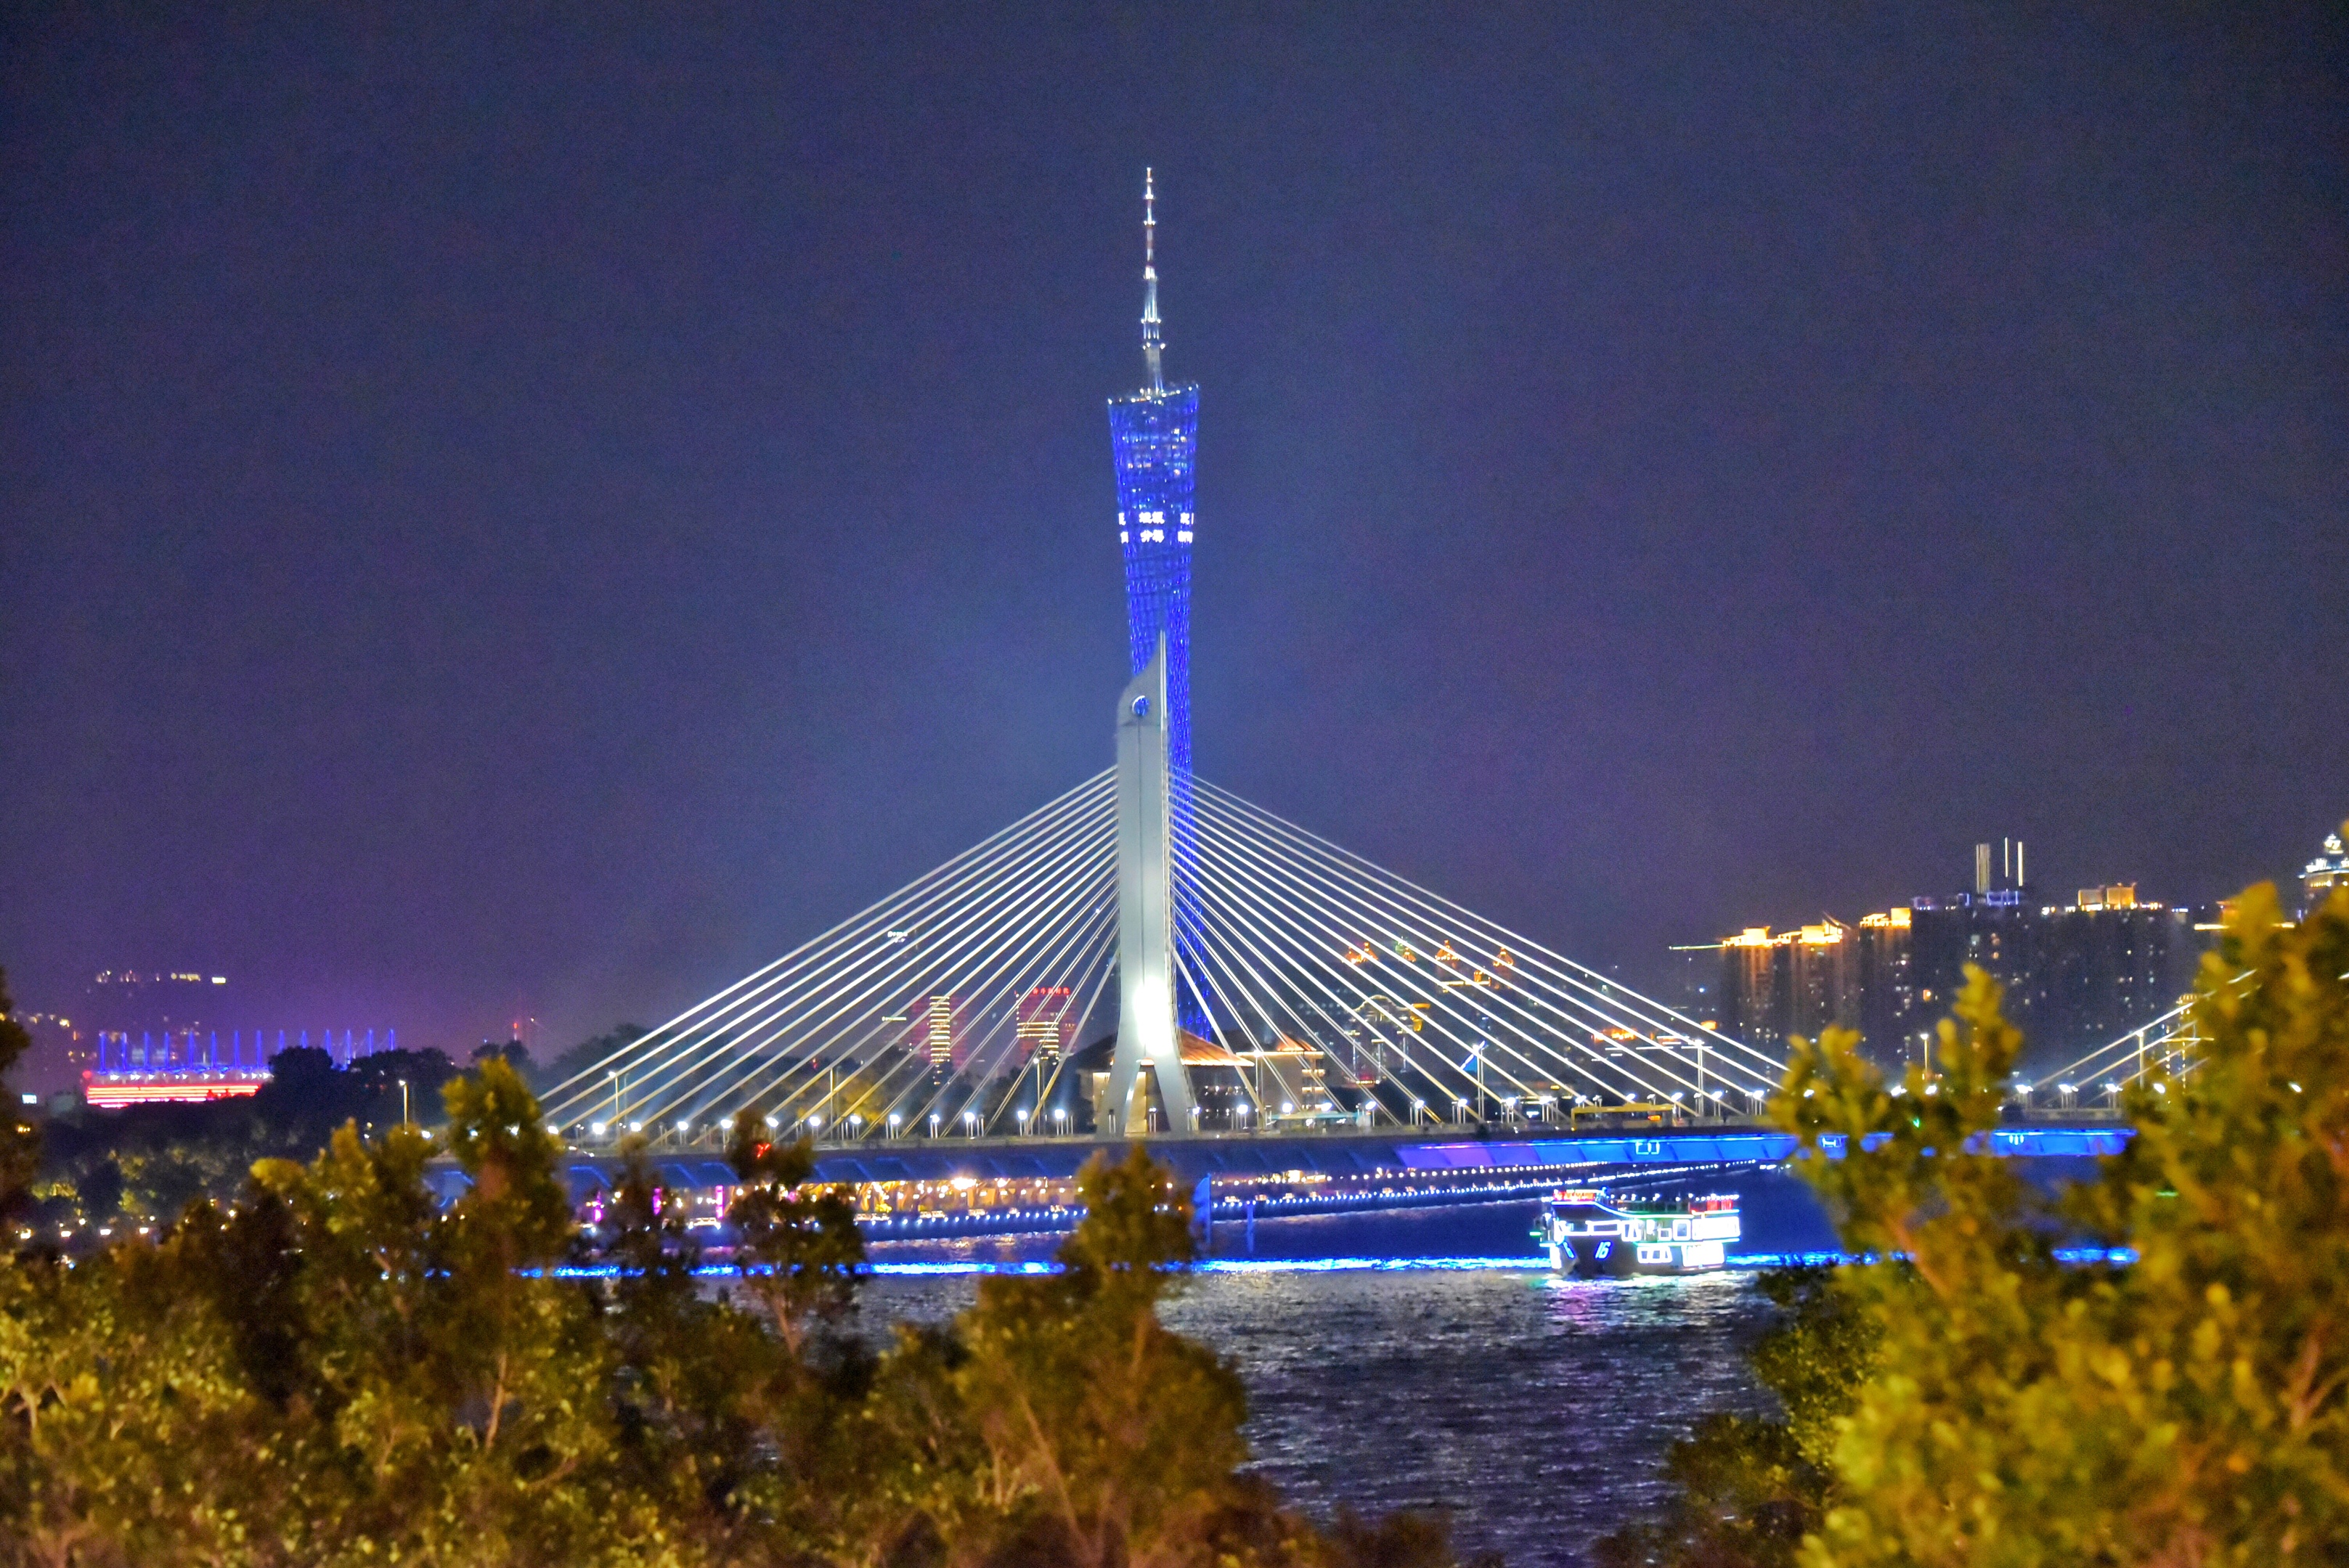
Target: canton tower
(1152, 433)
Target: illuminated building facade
(2326, 873)
(1042, 1023)
(937, 1033)
(198, 1065)
(1887, 986)
(2075, 975)
(124, 1001)
(1794, 983)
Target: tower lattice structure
(1154, 439)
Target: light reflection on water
(1536, 1408)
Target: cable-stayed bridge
(2168, 1047)
(1322, 991)
(1248, 974)
(1152, 955)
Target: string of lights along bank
(1150, 955)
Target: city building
(940, 1038)
(61, 1052)
(1795, 981)
(199, 1065)
(136, 1001)
(1889, 1020)
(1042, 1025)
(1695, 984)
(2076, 975)
(2327, 872)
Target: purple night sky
(539, 510)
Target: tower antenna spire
(1152, 346)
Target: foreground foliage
(2186, 1405)
(336, 1370)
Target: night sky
(538, 512)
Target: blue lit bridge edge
(1229, 1180)
(1511, 1263)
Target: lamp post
(1061, 1118)
(403, 1102)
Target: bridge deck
(1273, 1156)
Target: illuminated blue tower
(1153, 433)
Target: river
(1426, 1359)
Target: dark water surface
(1537, 1410)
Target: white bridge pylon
(1321, 987)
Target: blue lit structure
(1155, 435)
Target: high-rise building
(938, 1034)
(2327, 872)
(1796, 981)
(1042, 1026)
(2076, 976)
(1887, 986)
(62, 1052)
(126, 1001)
(1748, 991)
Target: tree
(1107, 1438)
(1750, 1489)
(697, 1385)
(588, 1053)
(20, 1142)
(336, 1369)
(514, 1053)
(375, 1080)
(800, 1250)
(2184, 1404)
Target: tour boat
(1592, 1233)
